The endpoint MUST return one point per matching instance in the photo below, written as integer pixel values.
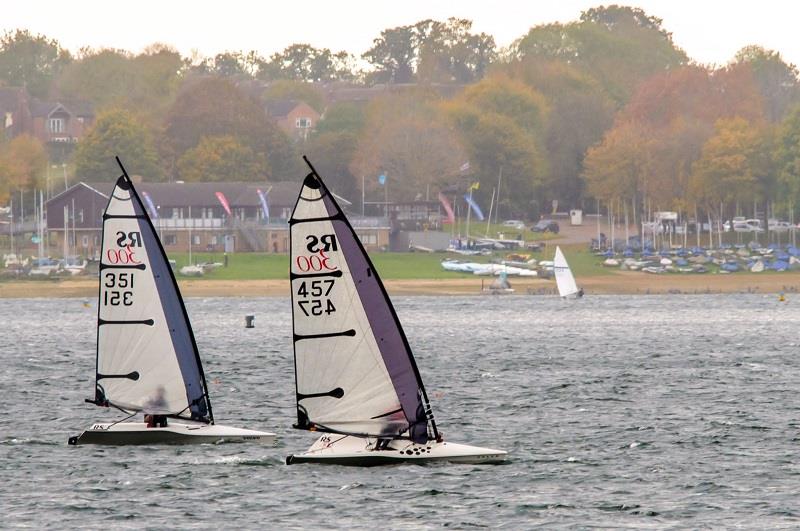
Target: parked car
(776, 225)
(748, 225)
(545, 225)
(728, 225)
(514, 224)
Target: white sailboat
(147, 358)
(565, 281)
(356, 378)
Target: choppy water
(639, 412)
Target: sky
(710, 31)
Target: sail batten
(137, 287)
(347, 335)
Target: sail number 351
(123, 295)
(318, 304)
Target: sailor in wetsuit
(154, 409)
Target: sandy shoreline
(615, 283)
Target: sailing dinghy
(147, 358)
(565, 281)
(356, 379)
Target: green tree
(145, 84)
(342, 117)
(393, 55)
(116, 132)
(303, 62)
(502, 124)
(776, 80)
(581, 113)
(331, 153)
(787, 159)
(619, 46)
(221, 158)
(31, 61)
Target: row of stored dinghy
(358, 384)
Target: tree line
(604, 108)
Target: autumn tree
(618, 168)
(31, 61)
(221, 158)
(406, 139)
(734, 166)
(116, 133)
(23, 161)
(215, 107)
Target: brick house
(60, 125)
(296, 118)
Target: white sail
(564, 279)
(146, 354)
(354, 369)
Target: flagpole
(489, 218)
(497, 210)
(469, 211)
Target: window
(56, 125)
(80, 216)
(213, 240)
(195, 239)
(170, 239)
(368, 239)
(84, 241)
(303, 123)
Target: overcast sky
(710, 31)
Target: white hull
(175, 433)
(356, 451)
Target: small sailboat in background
(356, 378)
(565, 281)
(147, 358)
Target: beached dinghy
(565, 281)
(356, 378)
(147, 358)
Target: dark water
(638, 412)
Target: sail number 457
(318, 304)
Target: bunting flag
(224, 202)
(474, 186)
(464, 167)
(475, 208)
(264, 206)
(451, 217)
(382, 179)
(150, 206)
